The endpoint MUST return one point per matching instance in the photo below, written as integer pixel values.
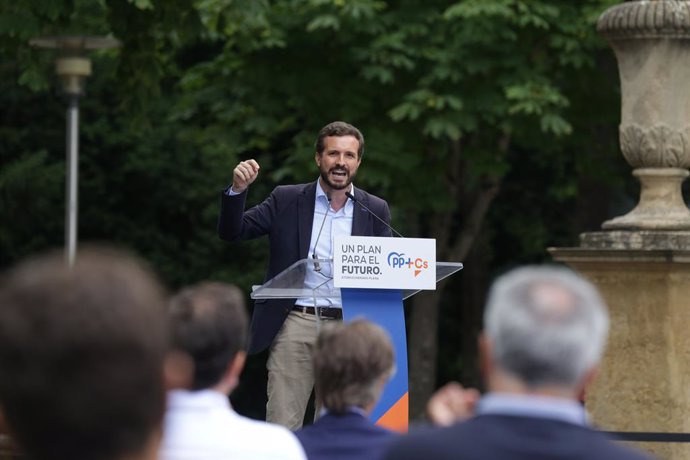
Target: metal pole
(72, 199)
(72, 68)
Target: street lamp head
(72, 72)
(72, 66)
(74, 43)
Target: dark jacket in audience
(350, 436)
(511, 438)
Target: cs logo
(398, 260)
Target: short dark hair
(209, 323)
(349, 361)
(81, 355)
(339, 129)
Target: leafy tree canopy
(486, 123)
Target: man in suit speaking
(545, 331)
(300, 221)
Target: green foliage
(454, 97)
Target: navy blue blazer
(287, 216)
(507, 437)
(350, 436)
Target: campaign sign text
(384, 263)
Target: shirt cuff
(230, 192)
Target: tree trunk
(423, 343)
(423, 350)
(425, 311)
(474, 286)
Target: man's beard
(344, 185)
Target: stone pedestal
(644, 380)
(641, 264)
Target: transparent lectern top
(291, 284)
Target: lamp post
(73, 67)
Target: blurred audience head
(352, 363)
(81, 356)
(544, 327)
(209, 324)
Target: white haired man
(545, 332)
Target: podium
(312, 278)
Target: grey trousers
(290, 370)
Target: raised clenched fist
(244, 174)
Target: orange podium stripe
(397, 417)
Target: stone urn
(651, 40)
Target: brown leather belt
(324, 312)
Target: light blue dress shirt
(334, 223)
(551, 408)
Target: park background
(490, 125)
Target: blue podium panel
(385, 308)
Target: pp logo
(399, 260)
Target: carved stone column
(651, 40)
